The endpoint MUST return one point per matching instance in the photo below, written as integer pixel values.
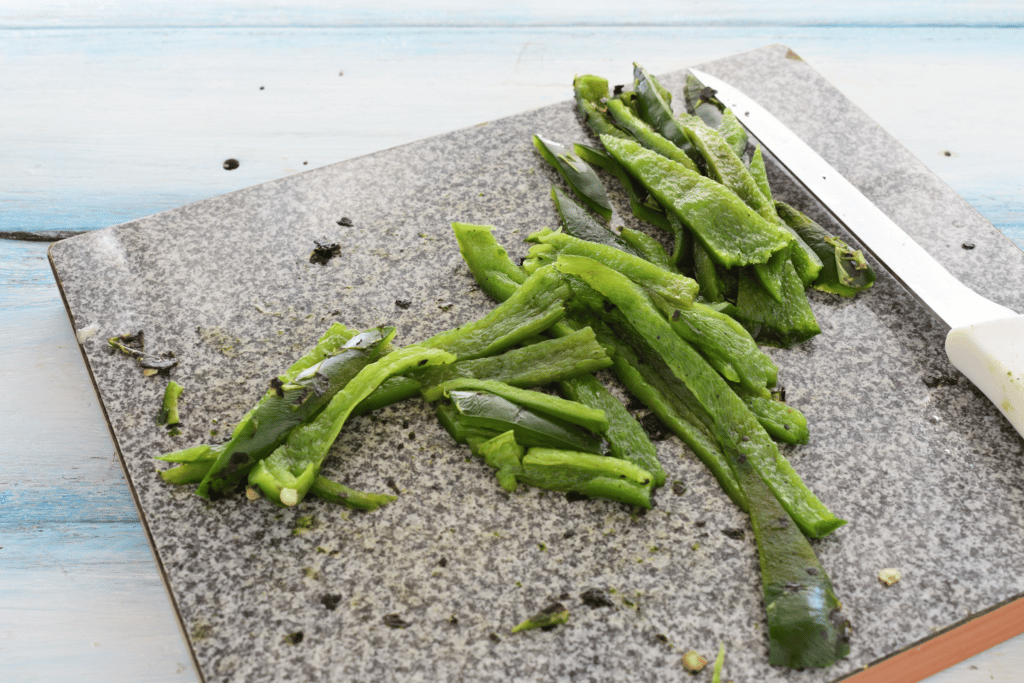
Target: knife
(985, 341)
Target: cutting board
(925, 470)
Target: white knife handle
(991, 355)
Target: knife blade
(985, 341)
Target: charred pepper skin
(581, 178)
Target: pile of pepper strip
(695, 363)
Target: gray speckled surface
(927, 473)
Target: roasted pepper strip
(333, 492)
(845, 271)
(582, 179)
(492, 269)
(782, 322)
(783, 423)
(486, 411)
(724, 166)
(704, 105)
(289, 405)
(647, 136)
(648, 385)
(288, 473)
(733, 233)
(625, 436)
(578, 223)
(592, 475)
(505, 455)
(572, 412)
(696, 384)
(591, 97)
(640, 202)
(674, 288)
(805, 626)
(528, 310)
(654, 105)
(534, 365)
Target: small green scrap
(547, 619)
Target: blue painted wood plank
(151, 132)
(453, 13)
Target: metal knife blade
(986, 341)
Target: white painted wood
(114, 110)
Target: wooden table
(115, 110)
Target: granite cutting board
(927, 472)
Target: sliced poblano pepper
(591, 99)
(654, 105)
(577, 222)
(640, 202)
(492, 269)
(783, 423)
(291, 470)
(694, 383)
(505, 455)
(702, 103)
(486, 411)
(672, 287)
(289, 404)
(534, 365)
(626, 438)
(591, 475)
(805, 625)
(727, 168)
(581, 178)
(647, 136)
(592, 419)
(732, 232)
(845, 270)
(784, 321)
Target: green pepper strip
(288, 473)
(333, 492)
(733, 233)
(646, 383)
(582, 179)
(640, 203)
(289, 405)
(531, 427)
(647, 136)
(805, 626)
(591, 96)
(534, 365)
(782, 322)
(505, 455)
(528, 310)
(591, 475)
(727, 168)
(674, 288)
(845, 271)
(696, 384)
(169, 409)
(626, 438)
(329, 344)
(654, 105)
(578, 223)
(711, 111)
(722, 341)
(570, 411)
(783, 423)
